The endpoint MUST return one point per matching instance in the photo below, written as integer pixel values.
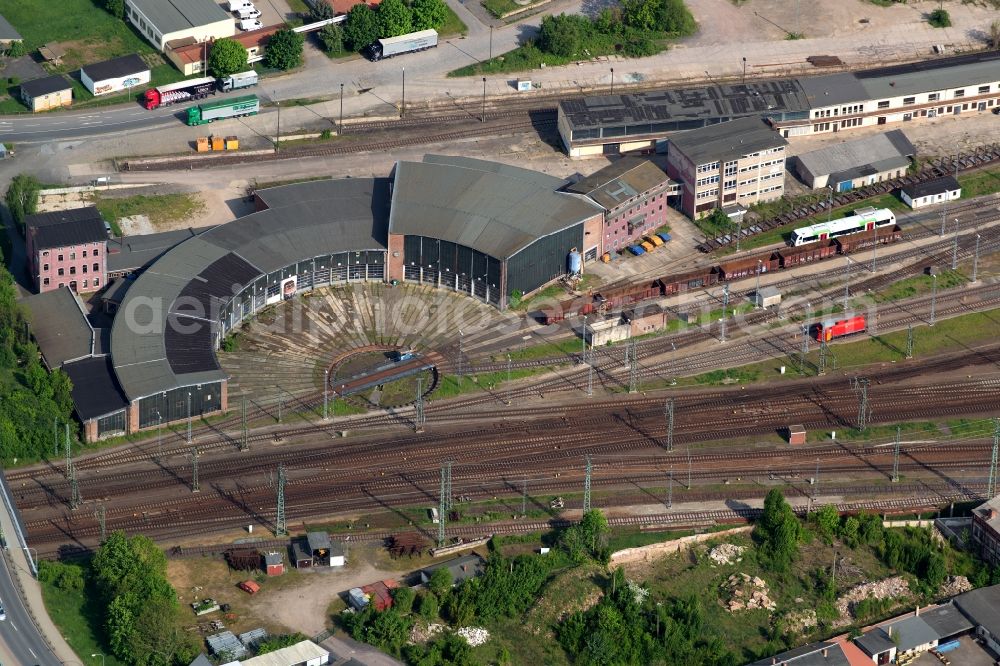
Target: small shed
(301, 555)
(644, 319)
(111, 76)
(461, 568)
(50, 92)
(931, 192)
(796, 434)
(274, 564)
(767, 297)
(600, 333)
(338, 554)
(319, 547)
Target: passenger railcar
(865, 219)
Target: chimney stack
(916, 613)
(890, 631)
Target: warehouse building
(901, 93)
(486, 229)
(856, 163)
(633, 193)
(738, 162)
(67, 247)
(162, 21)
(50, 92)
(110, 76)
(612, 124)
(931, 192)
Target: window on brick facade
(45, 267)
(84, 284)
(45, 281)
(97, 282)
(84, 254)
(85, 269)
(60, 257)
(62, 271)
(96, 267)
(72, 256)
(72, 270)
(95, 252)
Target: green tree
(284, 50)
(935, 571)
(440, 582)
(332, 38)
(361, 27)
(115, 7)
(827, 522)
(940, 18)
(16, 49)
(560, 35)
(22, 198)
(778, 531)
(402, 600)
(388, 631)
(277, 642)
(394, 18)
(227, 57)
(429, 14)
(429, 606)
(641, 14)
(674, 17)
(321, 11)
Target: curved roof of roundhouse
(494, 208)
(162, 336)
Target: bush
(227, 57)
(560, 35)
(321, 11)
(429, 606)
(284, 50)
(16, 50)
(332, 38)
(402, 600)
(429, 14)
(940, 18)
(116, 8)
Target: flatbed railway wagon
(222, 109)
(839, 328)
(864, 219)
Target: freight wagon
(222, 109)
(855, 242)
(804, 254)
(394, 46)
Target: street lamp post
(744, 70)
(402, 106)
(491, 42)
(612, 80)
(340, 125)
(933, 298)
(484, 99)
(954, 248)
(975, 260)
(277, 143)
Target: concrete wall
(657, 550)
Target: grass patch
(159, 208)
(979, 183)
(298, 6)
(450, 385)
(637, 538)
(79, 616)
(452, 24)
(919, 284)
(548, 349)
(500, 8)
(552, 291)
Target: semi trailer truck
(237, 81)
(182, 91)
(222, 109)
(394, 46)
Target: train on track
(863, 220)
(838, 328)
(616, 297)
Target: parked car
(251, 24)
(3, 613)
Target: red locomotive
(838, 328)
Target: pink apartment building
(67, 248)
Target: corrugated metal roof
(726, 141)
(133, 253)
(226, 643)
(173, 15)
(619, 181)
(300, 653)
(823, 653)
(493, 208)
(95, 390)
(60, 326)
(879, 151)
(945, 620)
(304, 221)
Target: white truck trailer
(394, 46)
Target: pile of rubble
(726, 553)
(746, 592)
(890, 588)
(954, 586)
(801, 622)
(476, 636)
(422, 634)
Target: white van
(245, 14)
(236, 5)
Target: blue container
(664, 237)
(636, 250)
(947, 647)
(575, 262)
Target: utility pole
(864, 416)
(816, 482)
(847, 286)
(670, 489)
(590, 378)
(670, 425)
(758, 301)
(447, 486)
(326, 391)
(833, 575)
(195, 487)
(909, 341)
(69, 454)
(586, 487)
(583, 339)
(725, 306)
(991, 486)
(461, 337)
(524, 496)
(74, 489)
(689, 466)
(822, 356)
(418, 418)
(975, 261)
(895, 458)
(442, 509)
(633, 370)
(874, 246)
(55, 438)
(805, 343)
(189, 417)
(933, 299)
(954, 248)
(281, 403)
(101, 521)
(159, 436)
(245, 439)
(280, 522)
(510, 397)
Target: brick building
(67, 247)
(737, 162)
(633, 193)
(986, 530)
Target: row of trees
(390, 18)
